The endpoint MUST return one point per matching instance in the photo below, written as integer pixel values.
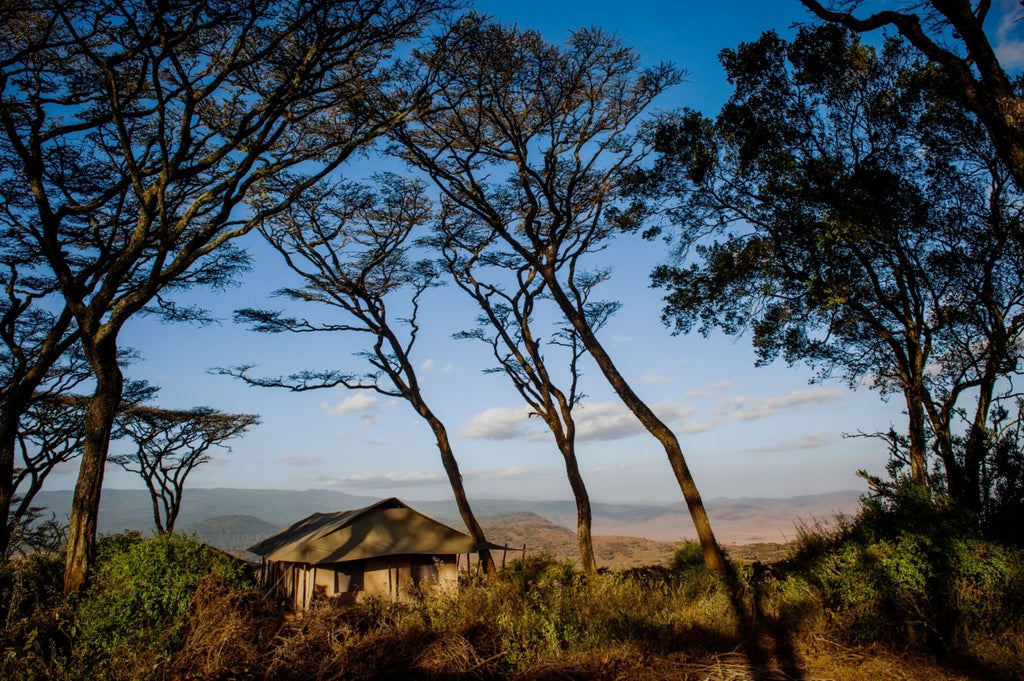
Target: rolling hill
(236, 518)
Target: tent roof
(387, 528)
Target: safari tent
(382, 549)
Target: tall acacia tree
(351, 247)
(858, 221)
(953, 34)
(37, 355)
(134, 133)
(51, 432)
(531, 140)
(168, 445)
(507, 291)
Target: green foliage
(847, 213)
(541, 569)
(912, 570)
(687, 556)
(132, 614)
(170, 607)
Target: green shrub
(132, 615)
(688, 556)
(540, 569)
(911, 569)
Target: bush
(913, 570)
(540, 569)
(132, 615)
(688, 556)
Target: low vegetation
(904, 590)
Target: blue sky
(746, 431)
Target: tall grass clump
(543, 614)
(35, 623)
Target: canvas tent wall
(382, 549)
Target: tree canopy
(847, 214)
(168, 445)
(953, 35)
(139, 140)
(531, 140)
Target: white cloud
(355, 403)
(613, 421)
(383, 480)
(605, 421)
(431, 365)
(690, 427)
(708, 390)
(653, 378)
(595, 421)
(809, 441)
(746, 409)
(302, 460)
(509, 473)
(500, 423)
(1009, 44)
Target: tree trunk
(85, 504)
(16, 402)
(584, 518)
(976, 447)
(918, 439)
(451, 468)
(154, 501)
(714, 560)
(9, 420)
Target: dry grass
(613, 629)
(226, 635)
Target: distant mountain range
(237, 518)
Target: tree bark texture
(584, 517)
(99, 422)
(451, 468)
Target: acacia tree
(133, 134)
(351, 246)
(51, 432)
(36, 358)
(952, 34)
(474, 258)
(169, 445)
(861, 223)
(531, 141)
